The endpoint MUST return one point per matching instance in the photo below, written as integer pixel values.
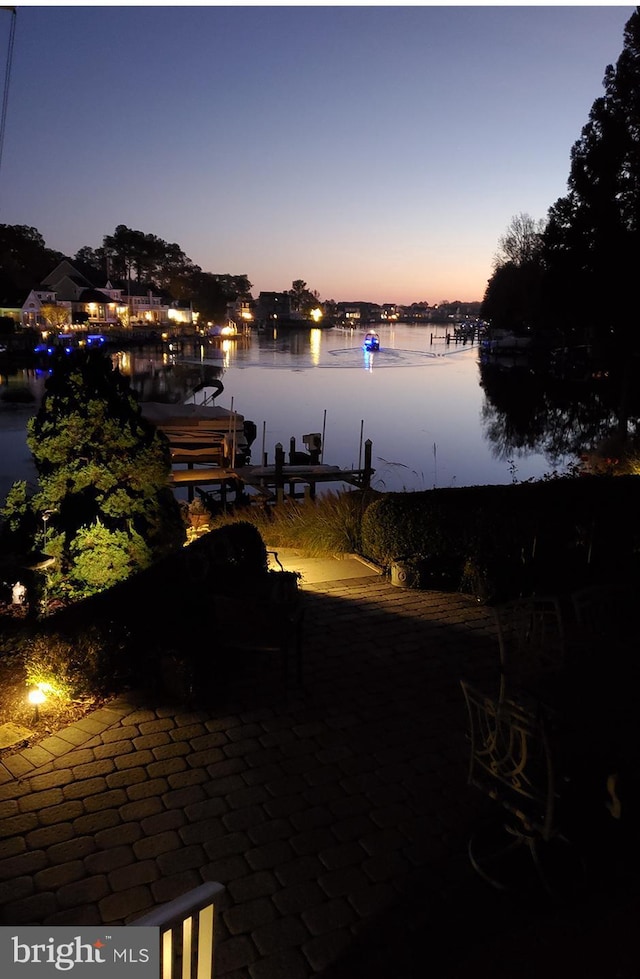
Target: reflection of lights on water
(315, 343)
(227, 346)
(368, 360)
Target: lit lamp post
(45, 520)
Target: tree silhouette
(592, 238)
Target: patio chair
(511, 762)
(531, 638)
(266, 619)
(604, 610)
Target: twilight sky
(378, 152)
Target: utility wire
(7, 78)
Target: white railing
(187, 933)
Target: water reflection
(577, 403)
(430, 420)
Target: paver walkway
(317, 810)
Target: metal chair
(531, 637)
(605, 610)
(268, 620)
(511, 762)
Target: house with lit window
(358, 314)
(102, 307)
(71, 300)
(157, 309)
(37, 311)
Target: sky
(377, 152)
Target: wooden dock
(212, 443)
(270, 483)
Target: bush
(239, 544)
(88, 663)
(415, 525)
(502, 541)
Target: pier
(210, 447)
(269, 483)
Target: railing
(187, 933)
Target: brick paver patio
(318, 809)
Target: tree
(511, 300)
(103, 477)
(593, 234)
(145, 257)
(303, 300)
(522, 242)
(211, 293)
(57, 317)
(24, 257)
(93, 263)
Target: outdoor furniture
(604, 611)
(531, 638)
(511, 761)
(266, 618)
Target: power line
(7, 78)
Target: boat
(199, 433)
(371, 341)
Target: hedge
(503, 541)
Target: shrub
(72, 667)
(419, 525)
(239, 544)
(502, 541)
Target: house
(157, 309)
(358, 314)
(272, 307)
(32, 314)
(241, 314)
(11, 306)
(83, 305)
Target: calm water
(420, 403)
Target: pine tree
(103, 477)
(592, 239)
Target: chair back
(531, 637)
(510, 760)
(605, 609)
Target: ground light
(36, 696)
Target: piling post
(366, 473)
(279, 475)
(292, 450)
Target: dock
(214, 445)
(270, 483)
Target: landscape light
(36, 696)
